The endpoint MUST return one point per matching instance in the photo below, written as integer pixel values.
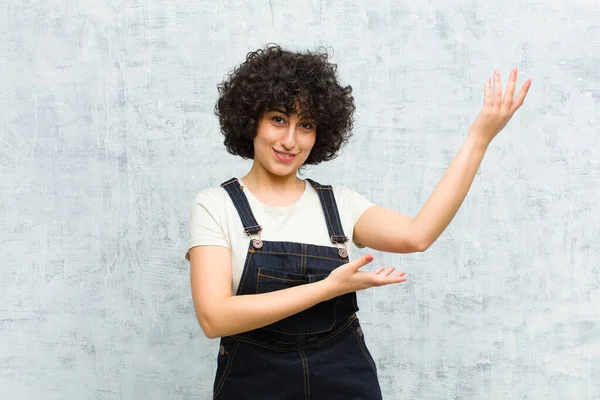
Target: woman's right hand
(347, 278)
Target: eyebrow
(281, 110)
(287, 114)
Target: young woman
(270, 257)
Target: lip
(279, 156)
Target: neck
(259, 179)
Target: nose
(289, 139)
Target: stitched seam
(363, 350)
(246, 220)
(335, 310)
(334, 204)
(234, 198)
(257, 280)
(279, 279)
(227, 369)
(229, 182)
(328, 216)
(330, 226)
(296, 254)
(253, 226)
(311, 346)
(315, 185)
(244, 201)
(303, 260)
(335, 212)
(314, 332)
(324, 206)
(305, 370)
(238, 198)
(296, 342)
(288, 343)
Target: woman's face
(283, 141)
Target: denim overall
(319, 353)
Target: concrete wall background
(107, 132)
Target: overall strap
(240, 201)
(330, 209)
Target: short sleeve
(205, 228)
(357, 205)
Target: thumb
(361, 262)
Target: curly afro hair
(272, 77)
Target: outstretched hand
(498, 110)
(348, 277)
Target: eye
(308, 126)
(277, 119)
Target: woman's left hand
(497, 110)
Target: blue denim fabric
(319, 353)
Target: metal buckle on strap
(342, 251)
(247, 232)
(256, 242)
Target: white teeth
(284, 155)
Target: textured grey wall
(107, 132)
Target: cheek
(310, 142)
(266, 136)
(261, 140)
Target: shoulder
(208, 219)
(341, 192)
(349, 201)
(211, 195)
(213, 201)
(347, 194)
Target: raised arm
(386, 230)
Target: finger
(388, 272)
(361, 262)
(388, 277)
(487, 93)
(497, 89)
(395, 279)
(510, 89)
(378, 270)
(521, 96)
(382, 271)
(382, 279)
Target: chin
(283, 171)
(279, 169)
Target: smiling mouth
(284, 156)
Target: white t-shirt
(214, 221)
